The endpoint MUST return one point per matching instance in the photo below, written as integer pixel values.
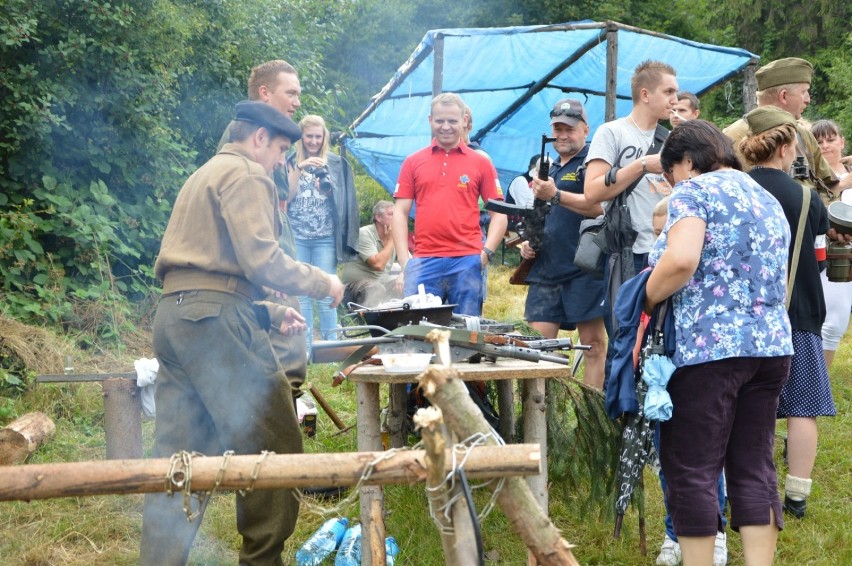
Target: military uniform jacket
(225, 221)
(816, 162)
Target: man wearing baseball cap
(561, 296)
(786, 83)
(219, 387)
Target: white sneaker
(670, 553)
(720, 550)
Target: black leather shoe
(795, 508)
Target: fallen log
(22, 437)
(445, 390)
(119, 477)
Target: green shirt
(369, 244)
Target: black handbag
(613, 232)
(589, 256)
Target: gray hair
(380, 207)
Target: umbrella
(636, 447)
(617, 239)
(657, 370)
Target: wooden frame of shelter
(608, 33)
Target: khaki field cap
(568, 111)
(784, 72)
(262, 114)
(768, 117)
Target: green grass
(105, 530)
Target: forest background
(106, 107)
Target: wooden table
(367, 380)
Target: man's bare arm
(597, 171)
(401, 210)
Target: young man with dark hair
(687, 108)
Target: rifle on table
(465, 345)
(531, 226)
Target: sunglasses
(568, 113)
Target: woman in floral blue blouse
(722, 257)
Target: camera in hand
(322, 174)
(799, 169)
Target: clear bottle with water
(391, 551)
(322, 543)
(349, 553)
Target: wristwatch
(489, 253)
(556, 199)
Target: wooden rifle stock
(519, 277)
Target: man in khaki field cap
(786, 83)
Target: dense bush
(105, 108)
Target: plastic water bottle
(349, 553)
(391, 551)
(322, 543)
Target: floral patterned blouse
(733, 306)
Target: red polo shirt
(446, 187)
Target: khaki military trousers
(218, 389)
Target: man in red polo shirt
(445, 181)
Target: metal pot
(402, 316)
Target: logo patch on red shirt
(463, 182)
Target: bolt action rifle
(531, 226)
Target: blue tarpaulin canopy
(511, 77)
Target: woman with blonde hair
(771, 148)
(323, 213)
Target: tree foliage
(106, 106)
(106, 109)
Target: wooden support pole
(122, 419)
(611, 70)
(750, 87)
(372, 496)
(21, 438)
(506, 409)
(445, 390)
(535, 429)
(429, 421)
(438, 65)
(122, 477)
(397, 407)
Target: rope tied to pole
(460, 452)
(354, 493)
(179, 478)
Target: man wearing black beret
(219, 387)
(276, 83)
